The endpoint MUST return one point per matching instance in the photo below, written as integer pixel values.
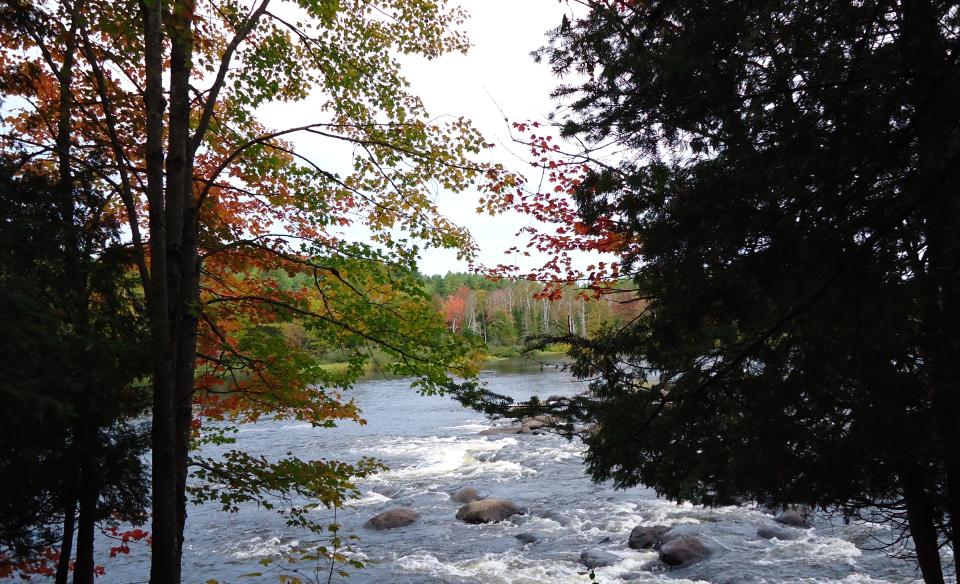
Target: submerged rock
(385, 490)
(683, 551)
(487, 511)
(505, 430)
(647, 537)
(794, 518)
(598, 559)
(554, 516)
(526, 538)
(778, 533)
(465, 495)
(399, 517)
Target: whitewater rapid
(433, 447)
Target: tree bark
(181, 255)
(83, 571)
(164, 469)
(66, 543)
(920, 517)
(936, 122)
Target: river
(432, 446)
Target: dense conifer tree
(68, 343)
(785, 193)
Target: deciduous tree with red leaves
(160, 102)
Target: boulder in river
(532, 424)
(386, 490)
(770, 532)
(487, 511)
(794, 518)
(683, 551)
(647, 537)
(554, 516)
(598, 559)
(399, 517)
(505, 430)
(536, 422)
(526, 537)
(465, 495)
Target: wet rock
(465, 495)
(683, 551)
(506, 430)
(598, 559)
(533, 424)
(547, 419)
(385, 490)
(554, 516)
(794, 518)
(778, 532)
(487, 511)
(537, 422)
(526, 538)
(399, 517)
(647, 537)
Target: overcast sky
(497, 73)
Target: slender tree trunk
(936, 122)
(66, 543)
(89, 494)
(182, 254)
(920, 517)
(77, 310)
(164, 469)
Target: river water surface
(433, 446)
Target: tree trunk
(921, 521)
(182, 255)
(83, 568)
(66, 544)
(936, 122)
(164, 470)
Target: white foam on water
(516, 568)
(472, 427)
(438, 457)
(259, 547)
(854, 579)
(664, 512)
(369, 498)
(810, 547)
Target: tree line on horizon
(506, 314)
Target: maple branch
(225, 60)
(126, 190)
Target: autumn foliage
(159, 104)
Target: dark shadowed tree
(70, 355)
(783, 185)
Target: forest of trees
(505, 314)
